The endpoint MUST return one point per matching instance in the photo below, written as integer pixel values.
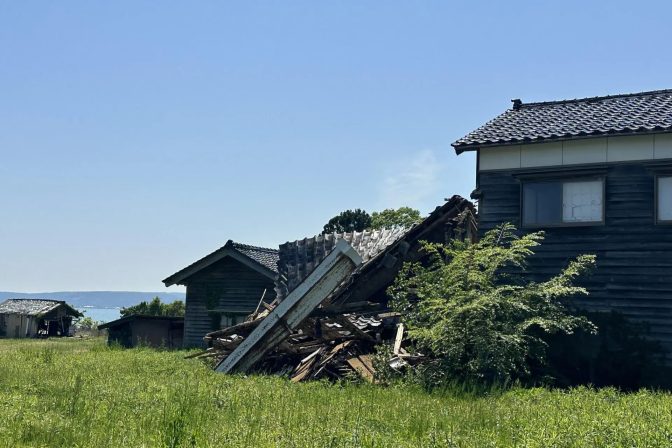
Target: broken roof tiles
(297, 259)
(634, 113)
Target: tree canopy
(155, 308)
(348, 221)
(358, 220)
(403, 217)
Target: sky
(136, 137)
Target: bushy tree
(403, 216)
(348, 221)
(470, 308)
(155, 308)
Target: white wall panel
(575, 152)
(592, 150)
(542, 154)
(621, 149)
(500, 158)
(662, 148)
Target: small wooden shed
(153, 331)
(224, 287)
(29, 318)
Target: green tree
(403, 216)
(155, 308)
(348, 221)
(471, 309)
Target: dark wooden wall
(634, 255)
(226, 286)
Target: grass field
(79, 393)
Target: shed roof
(634, 113)
(34, 307)
(132, 317)
(262, 259)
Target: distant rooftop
(32, 307)
(634, 113)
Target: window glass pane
(582, 201)
(542, 203)
(665, 199)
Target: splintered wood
(332, 348)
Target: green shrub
(469, 308)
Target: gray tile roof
(298, 258)
(634, 113)
(262, 256)
(30, 307)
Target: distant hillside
(96, 299)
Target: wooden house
(28, 318)
(224, 287)
(596, 175)
(152, 331)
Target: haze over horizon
(138, 137)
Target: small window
(563, 203)
(664, 206)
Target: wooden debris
(398, 339)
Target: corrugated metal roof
(634, 113)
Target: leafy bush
(155, 308)
(470, 309)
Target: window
(560, 203)
(664, 206)
(231, 319)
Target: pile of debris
(320, 347)
(304, 339)
(330, 312)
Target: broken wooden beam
(296, 307)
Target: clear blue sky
(136, 137)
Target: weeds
(90, 395)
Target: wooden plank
(398, 339)
(363, 366)
(298, 305)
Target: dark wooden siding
(634, 255)
(226, 286)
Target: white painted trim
(577, 152)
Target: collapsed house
(29, 318)
(331, 308)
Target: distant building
(224, 287)
(29, 318)
(153, 331)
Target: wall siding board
(634, 255)
(227, 285)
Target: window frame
(562, 180)
(656, 187)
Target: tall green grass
(78, 393)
